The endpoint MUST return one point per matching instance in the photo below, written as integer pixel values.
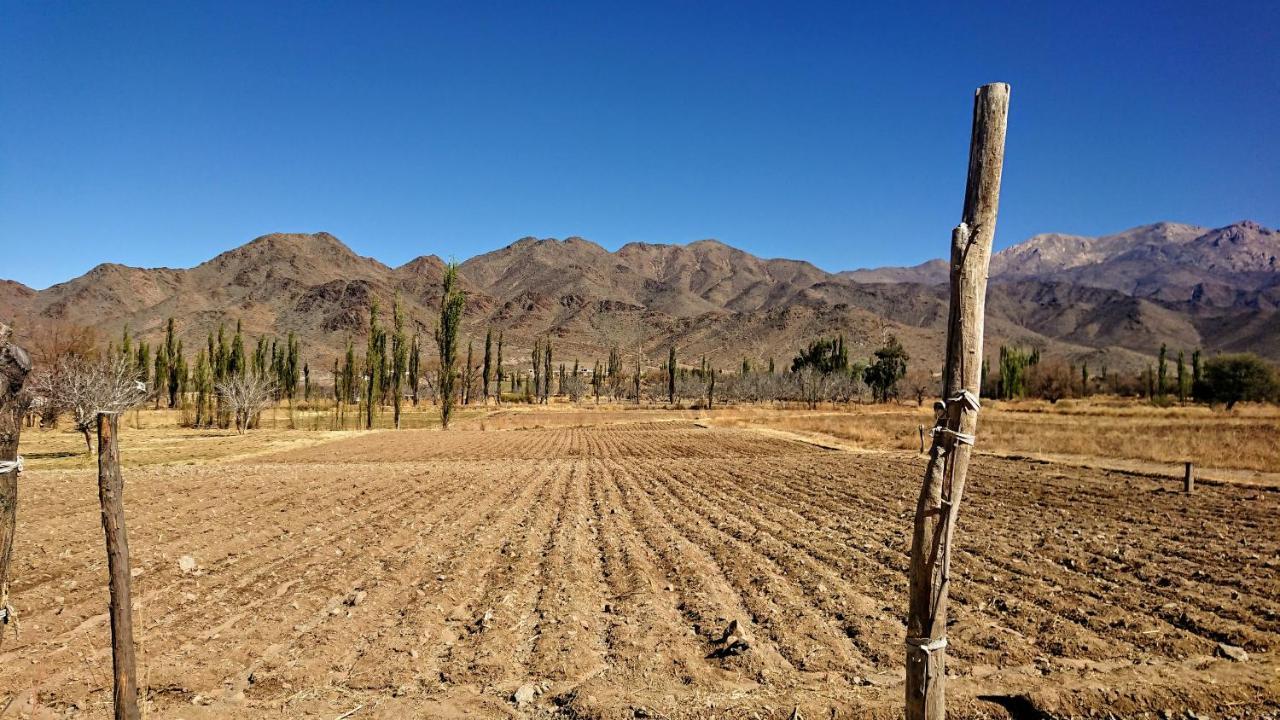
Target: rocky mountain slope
(1110, 300)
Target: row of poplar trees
(173, 382)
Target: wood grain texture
(111, 497)
(944, 478)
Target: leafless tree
(921, 383)
(573, 386)
(246, 396)
(85, 388)
(813, 385)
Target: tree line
(226, 385)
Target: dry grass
(1245, 439)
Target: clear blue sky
(161, 133)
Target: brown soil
(429, 574)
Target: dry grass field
(1240, 446)
(592, 559)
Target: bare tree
(246, 396)
(85, 388)
(813, 385)
(922, 383)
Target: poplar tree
(452, 301)
(202, 379)
(497, 373)
(468, 374)
(486, 371)
(597, 379)
(415, 364)
(373, 363)
(671, 374)
(546, 371)
(1197, 389)
(536, 390)
(1162, 385)
(399, 358)
(1182, 379)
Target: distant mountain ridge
(1107, 300)
(1168, 261)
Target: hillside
(1110, 299)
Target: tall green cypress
(236, 365)
(671, 374)
(1196, 388)
(373, 364)
(452, 302)
(399, 357)
(1182, 378)
(497, 373)
(1162, 384)
(546, 371)
(536, 391)
(488, 365)
(415, 363)
(467, 379)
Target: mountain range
(1109, 300)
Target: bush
(1228, 379)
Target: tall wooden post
(14, 366)
(1189, 478)
(957, 420)
(111, 497)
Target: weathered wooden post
(1189, 478)
(111, 497)
(14, 366)
(957, 422)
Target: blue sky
(159, 134)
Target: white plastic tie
(963, 438)
(8, 466)
(927, 645)
(968, 399)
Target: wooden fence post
(14, 366)
(111, 497)
(957, 421)
(1189, 478)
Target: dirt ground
(595, 570)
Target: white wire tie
(927, 645)
(7, 466)
(968, 399)
(964, 438)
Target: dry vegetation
(1108, 433)
(597, 557)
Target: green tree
(546, 371)
(825, 356)
(1230, 379)
(1162, 384)
(888, 367)
(487, 371)
(374, 363)
(671, 375)
(1183, 381)
(497, 373)
(452, 302)
(1197, 391)
(399, 359)
(1013, 372)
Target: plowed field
(430, 574)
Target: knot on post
(8, 466)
